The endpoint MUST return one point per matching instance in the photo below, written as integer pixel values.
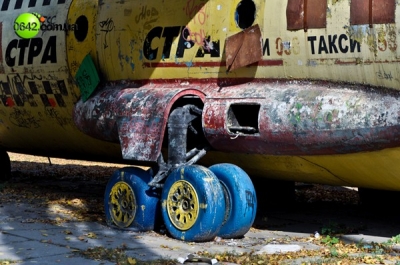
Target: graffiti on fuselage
(316, 45)
(32, 89)
(187, 40)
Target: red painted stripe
(270, 63)
(184, 65)
(340, 62)
(207, 64)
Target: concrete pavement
(31, 234)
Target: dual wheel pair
(197, 203)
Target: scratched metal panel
(381, 12)
(301, 118)
(136, 118)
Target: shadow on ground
(68, 199)
(328, 210)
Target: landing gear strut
(179, 122)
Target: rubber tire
(209, 192)
(147, 198)
(242, 205)
(5, 166)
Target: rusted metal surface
(295, 14)
(383, 11)
(134, 117)
(360, 12)
(304, 118)
(315, 14)
(244, 48)
(372, 12)
(305, 14)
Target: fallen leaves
(91, 235)
(8, 262)
(319, 193)
(75, 193)
(332, 251)
(117, 255)
(131, 261)
(62, 189)
(67, 232)
(373, 260)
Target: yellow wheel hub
(122, 204)
(182, 205)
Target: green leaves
(330, 241)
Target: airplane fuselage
(300, 90)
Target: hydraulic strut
(179, 122)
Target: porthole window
(81, 28)
(245, 14)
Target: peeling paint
(341, 119)
(136, 118)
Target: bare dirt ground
(76, 189)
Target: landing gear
(129, 202)
(197, 204)
(192, 204)
(5, 166)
